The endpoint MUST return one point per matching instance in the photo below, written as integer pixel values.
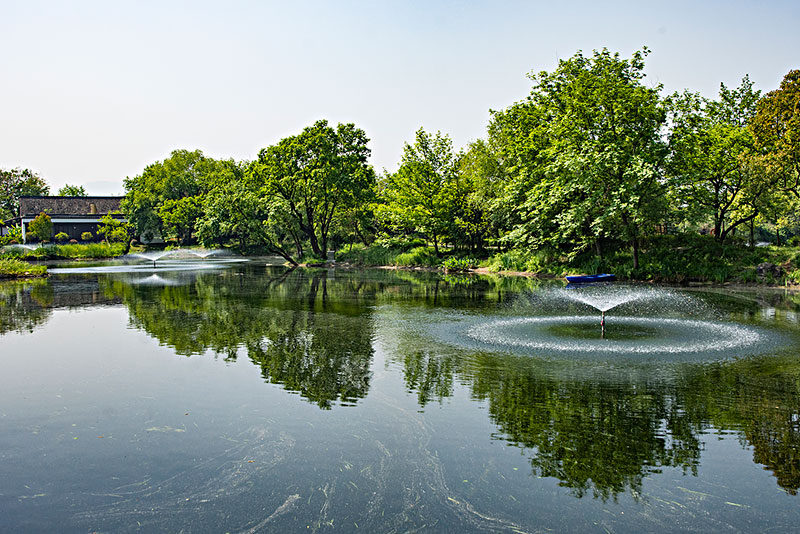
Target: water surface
(249, 398)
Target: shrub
(87, 236)
(453, 264)
(41, 226)
(114, 230)
(418, 257)
(14, 268)
(513, 260)
(62, 237)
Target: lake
(244, 397)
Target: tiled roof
(32, 206)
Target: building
(71, 215)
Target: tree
(17, 183)
(590, 157)
(711, 158)
(114, 230)
(424, 192)
(184, 174)
(179, 217)
(315, 176)
(484, 176)
(41, 227)
(776, 130)
(72, 191)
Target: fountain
(153, 256)
(605, 297)
(23, 246)
(179, 260)
(647, 322)
(205, 253)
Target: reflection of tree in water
(604, 436)
(591, 435)
(761, 398)
(24, 305)
(311, 334)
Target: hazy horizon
(96, 91)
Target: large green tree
(711, 165)
(425, 192)
(164, 200)
(587, 153)
(776, 129)
(314, 177)
(15, 183)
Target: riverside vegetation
(595, 170)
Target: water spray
(602, 324)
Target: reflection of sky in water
(107, 425)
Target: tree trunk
(436, 244)
(777, 236)
(635, 243)
(752, 233)
(598, 249)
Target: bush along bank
(14, 268)
(671, 259)
(68, 251)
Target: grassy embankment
(14, 268)
(71, 251)
(675, 259)
(14, 260)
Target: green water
(251, 398)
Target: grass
(14, 268)
(395, 255)
(674, 258)
(70, 251)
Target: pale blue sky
(92, 91)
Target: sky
(93, 91)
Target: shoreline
(484, 271)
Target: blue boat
(589, 278)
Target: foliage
(15, 268)
(72, 191)
(41, 227)
(14, 235)
(179, 217)
(776, 129)
(162, 186)
(591, 166)
(15, 183)
(424, 193)
(711, 165)
(453, 264)
(418, 257)
(114, 230)
(86, 236)
(62, 237)
(81, 250)
(312, 179)
(371, 256)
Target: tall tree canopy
(424, 192)
(314, 177)
(710, 166)
(587, 154)
(776, 128)
(165, 200)
(15, 183)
